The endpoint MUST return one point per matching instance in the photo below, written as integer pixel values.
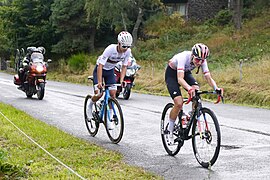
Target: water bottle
(184, 120)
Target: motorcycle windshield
(37, 57)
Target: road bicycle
(205, 133)
(103, 111)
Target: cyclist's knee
(97, 96)
(112, 93)
(178, 102)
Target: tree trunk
(124, 22)
(92, 39)
(137, 25)
(237, 6)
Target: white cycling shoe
(110, 125)
(170, 138)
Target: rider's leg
(175, 93)
(98, 94)
(178, 105)
(94, 99)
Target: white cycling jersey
(182, 62)
(111, 57)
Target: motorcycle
(132, 69)
(35, 76)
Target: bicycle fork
(110, 116)
(202, 123)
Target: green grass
(21, 158)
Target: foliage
(8, 170)
(160, 23)
(5, 42)
(120, 14)
(224, 17)
(69, 20)
(78, 62)
(28, 29)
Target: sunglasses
(125, 47)
(199, 59)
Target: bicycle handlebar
(220, 97)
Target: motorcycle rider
(106, 63)
(132, 69)
(178, 73)
(24, 66)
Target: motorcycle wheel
(127, 92)
(119, 89)
(29, 94)
(41, 91)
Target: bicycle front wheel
(206, 138)
(114, 121)
(91, 121)
(172, 148)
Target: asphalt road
(245, 152)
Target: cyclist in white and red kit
(178, 73)
(104, 69)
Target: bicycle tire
(172, 150)
(92, 125)
(117, 132)
(206, 148)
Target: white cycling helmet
(125, 38)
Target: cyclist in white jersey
(178, 73)
(104, 69)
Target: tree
(69, 19)
(237, 7)
(26, 23)
(5, 44)
(121, 14)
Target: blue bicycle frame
(106, 105)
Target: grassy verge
(21, 158)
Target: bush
(224, 17)
(78, 62)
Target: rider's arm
(123, 73)
(181, 81)
(99, 75)
(208, 76)
(210, 81)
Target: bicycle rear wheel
(171, 149)
(206, 145)
(92, 124)
(116, 119)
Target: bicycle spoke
(206, 139)
(171, 147)
(91, 119)
(114, 121)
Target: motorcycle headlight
(130, 72)
(39, 68)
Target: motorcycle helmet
(41, 50)
(31, 49)
(125, 38)
(200, 51)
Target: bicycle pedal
(178, 139)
